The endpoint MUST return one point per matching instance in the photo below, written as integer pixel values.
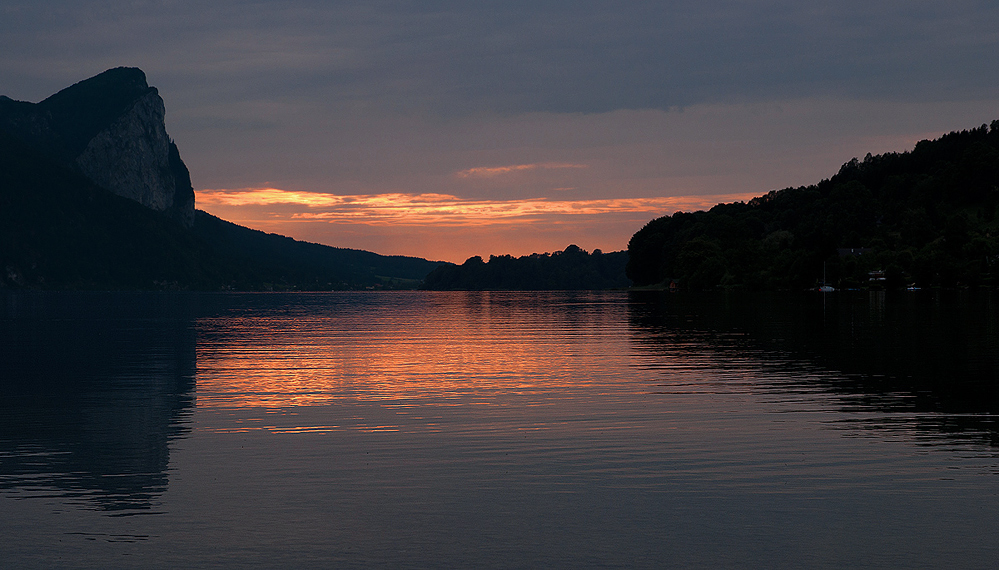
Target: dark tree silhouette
(926, 216)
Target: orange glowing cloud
(489, 171)
(448, 210)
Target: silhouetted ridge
(572, 269)
(79, 112)
(278, 262)
(111, 128)
(927, 216)
(94, 195)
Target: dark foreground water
(506, 430)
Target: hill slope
(58, 230)
(572, 269)
(927, 216)
(62, 227)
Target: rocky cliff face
(132, 158)
(111, 129)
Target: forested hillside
(926, 216)
(571, 269)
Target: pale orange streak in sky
(443, 209)
(485, 171)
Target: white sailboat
(824, 287)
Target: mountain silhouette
(94, 195)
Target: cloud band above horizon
(444, 209)
(458, 227)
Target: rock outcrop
(86, 177)
(111, 129)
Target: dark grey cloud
(456, 57)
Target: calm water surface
(505, 430)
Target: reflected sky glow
(469, 358)
(441, 430)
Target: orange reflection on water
(446, 348)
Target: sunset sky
(449, 129)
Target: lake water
(499, 430)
